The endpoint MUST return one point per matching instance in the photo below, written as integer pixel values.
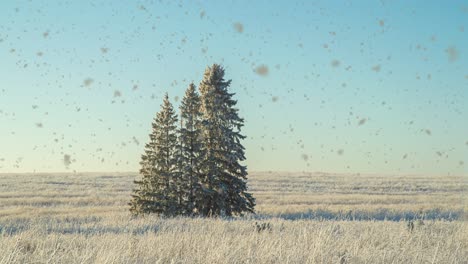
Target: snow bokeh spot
(67, 160)
(87, 82)
(262, 70)
(238, 27)
(452, 53)
(335, 63)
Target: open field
(314, 218)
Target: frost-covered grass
(152, 240)
(314, 218)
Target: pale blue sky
(399, 68)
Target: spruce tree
(224, 178)
(191, 149)
(156, 192)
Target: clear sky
(336, 86)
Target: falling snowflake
(87, 82)
(262, 70)
(239, 27)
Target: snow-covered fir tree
(191, 153)
(196, 169)
(156, 192)
(224, 178)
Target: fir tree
(191, 149)
(157, 191)
(196, 169)
(224, 178)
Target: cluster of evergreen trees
(193, 167)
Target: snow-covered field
(312, 217)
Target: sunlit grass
(84, 218)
